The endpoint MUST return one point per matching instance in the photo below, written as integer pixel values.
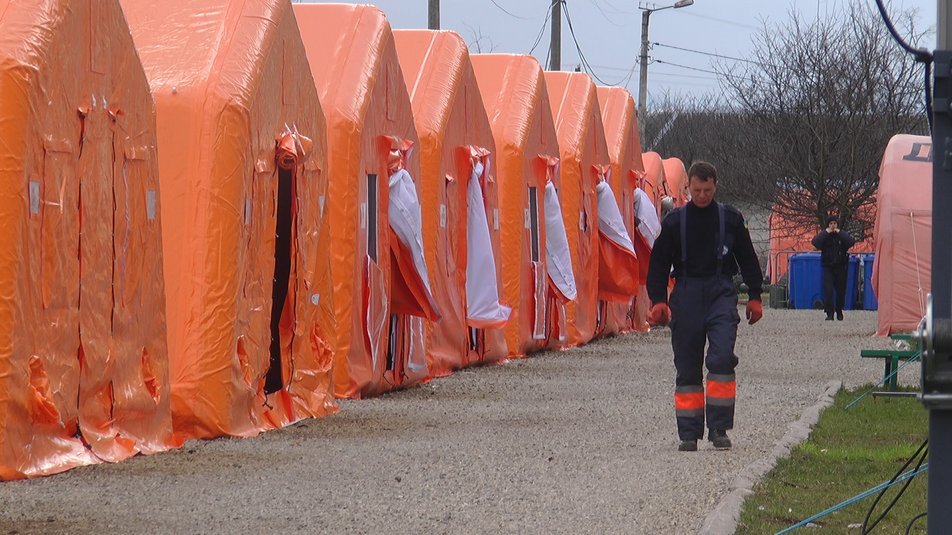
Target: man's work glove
(755, 311)
(659, 315)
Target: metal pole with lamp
(643, 85)
(936, 331)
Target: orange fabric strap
(688, 400)
(724, 390)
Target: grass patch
(848, 453)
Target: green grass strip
(847, 453)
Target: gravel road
(580, 441)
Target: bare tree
(810, 116)
(481, 43)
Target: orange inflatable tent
(654, 174)
(537, 265)
(677, 180)
(902, 270)
(459, 202)
(636, 195)
(381, 285)
(602, 253)
(84, 364)
(242, 153)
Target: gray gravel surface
(580, 441)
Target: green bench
(891, 357)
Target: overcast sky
(609, 32)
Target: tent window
(282, 275)
(372, 216)
(534, 222)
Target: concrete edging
(722, 520)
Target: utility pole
(433, 21)
(555, 44)
(936, 336)
(643, 78)
(643, 82)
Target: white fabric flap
(482, 289)
(648, 223)
(610, 222)
(557, 254)
(407, 221)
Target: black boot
(839, 315)
(688, 445)
(719, 439)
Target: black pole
(936, 375)
(555, 44)
(433, 20)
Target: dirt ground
(581, 441)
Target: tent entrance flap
(618, 267)
(482, 294)
(274, 379)
(557, 256)
(409, 277)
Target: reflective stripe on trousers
(704, 312)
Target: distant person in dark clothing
(834, 245)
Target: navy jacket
(703, 239)
(834, 248)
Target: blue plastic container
(852, 278)
(806, 282)
(869, 295)
(805, 285)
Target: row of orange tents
(222, 215)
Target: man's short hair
(703, 170)
(832, 218)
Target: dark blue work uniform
(707, 247)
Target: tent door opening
(477, 342)
(394, 343)
(282, 274)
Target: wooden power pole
(433, 21)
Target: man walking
(834, 245)
(707, 243)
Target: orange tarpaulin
(602, 267)
(513, 91)
(455, 142)
(676, 177)
(84, 364)
(627, 174)
(902, 270)
(654, 173)
(380, 341)
(242, 161)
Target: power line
(585, 64)
(706, 53)
(700, 70)
(548, 13)
(605, 15)
(722, 21)
(653, 73)
(509, 13)
(680, 75)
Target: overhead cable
(712, 54)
